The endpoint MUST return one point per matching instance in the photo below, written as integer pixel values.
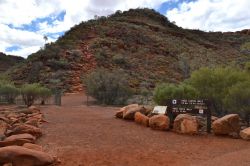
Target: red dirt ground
(83, 135)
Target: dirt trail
(90, 136)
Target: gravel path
(83, 135)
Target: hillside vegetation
(141, 42)
(8, 61)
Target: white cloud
(225, 15)
(212, 15)
(23, 12)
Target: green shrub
(247, 66)
(100, 56)
(32, 92)
(164, 92)
(119, 59)
(58, 64)
(108, 87)
(214, 84)
(238, 99)
(245, 47)
(44, 94)
(9, 91)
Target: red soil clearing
(83, 135)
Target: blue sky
(22, 30)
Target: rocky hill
(8, 61)
(143, 43)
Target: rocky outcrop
(245, 134)
(159, 122)
(227, 125)
(141, 119)
(186, 124)
(21, 156)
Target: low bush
(32, 92)
(108, 87)
(164, 92)
(9, 91)
(238, 100)
(58, 64)
(215, 83)
(44, 94)
(119, 59)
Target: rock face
(159, 122)
(141, 119)
(227, 125)
(245, 134)
(186, 124)
(21, 156)
(130, 113)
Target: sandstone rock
(24, 128)
(37, 116)
(12, 115)
(3, 128)
(226, 125)
(21, 136)
(186, 124)
(141, 119)
(5, 119)
(13, 120)
(159, 122)
(130, 114)
(33, 122)
(245, 134)
(34, 109)
(119, 114)
(33, 146)
(126, 108)
(148, 110)
(21, 156)
(214, 118)
(17, 140)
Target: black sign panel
(197, 107)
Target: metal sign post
(58, 97)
